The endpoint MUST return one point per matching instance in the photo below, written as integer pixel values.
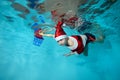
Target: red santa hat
(59, 33)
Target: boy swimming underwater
(76, 43)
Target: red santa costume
(78, 40)
(79, 43)
(59, 33)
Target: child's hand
(41, 33)
(66, 55)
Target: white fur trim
(60, 37)
(64, 25)
(75, 45)
(84, 39)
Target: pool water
(21, 60)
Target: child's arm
(48, 30)
(48, 35)
(69, 54)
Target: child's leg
(90, 37)
(86, 50)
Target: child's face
(62, 42)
